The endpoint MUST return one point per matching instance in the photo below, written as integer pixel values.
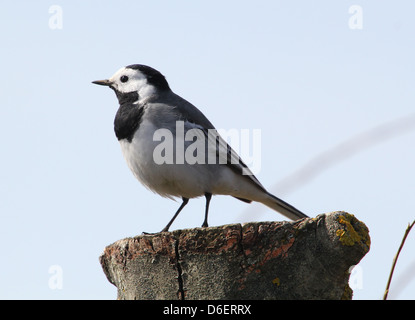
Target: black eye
(124, 79)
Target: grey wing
(233, 160)
(223, 151)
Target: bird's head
(136, 83)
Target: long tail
(283, 207)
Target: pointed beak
(103, 82)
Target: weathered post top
(305, 259)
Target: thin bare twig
(408, 229)
(338, 153)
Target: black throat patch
(128, 117)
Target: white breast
(168, 180)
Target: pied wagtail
(147, 104)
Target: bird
(148, 108)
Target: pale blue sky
(293, 69)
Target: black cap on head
(153, 76)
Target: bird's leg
(208, 197)
(185, 201)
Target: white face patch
(129, 80)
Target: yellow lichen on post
(353, 232)
(276, 281)
(348, 293)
